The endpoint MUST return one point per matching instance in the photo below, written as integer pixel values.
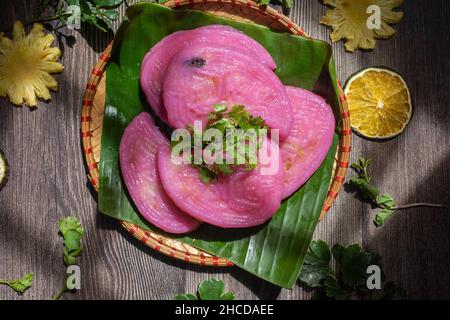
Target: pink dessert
(138, 150)
(309, 140)
(157, 59)
(240, 200)
(200, 76)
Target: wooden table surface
(48, 177)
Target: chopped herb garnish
(239, 129)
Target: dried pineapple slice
(26, 62)
(349, 20)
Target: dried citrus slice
(3, 170)
(379, 103)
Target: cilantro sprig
(385, 202)
(97, 13)
(211, 289)
(235, 127)
(71, 231)
(286, 4)
(19, 285)
(348, 279)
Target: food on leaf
(4, 170)
(138, 150)
(240, 200)
(227, 89)
(309, 140)
(26, 63)
(201, 76)
(274, 251)
(350, 18)
(157, 59)
(379, 102)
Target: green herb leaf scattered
(348, 279)
(382, 216)
(387, 204)
(264, 2)
(97, 13)
(19, 285)
(316, 267)
(187, 296)
(207, 176)
(368, 191)
(71, 230)
(286, 4)
(211, 289)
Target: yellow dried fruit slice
(379, 102)
(3, 170)
(360, 22)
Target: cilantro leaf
(382, 216)
(264, 2)
(19, 285)
(187, 296)
(71, 231)
(348, 279)
(220, 108)
(385, 201)
(107, 3)
(352, 264)
(368, 191)
(225, 168)
(316, 266)
(288, 3)
(207, 176)
(211, 289)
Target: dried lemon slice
(3, 170)
(379, 102)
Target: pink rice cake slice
(200, 76)
(138, 150)
(310, 138)
(240, 200)
(158, 58)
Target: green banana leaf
(274, 251)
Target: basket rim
(179, 250)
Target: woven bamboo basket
(94, 105)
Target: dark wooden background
(48, 177)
